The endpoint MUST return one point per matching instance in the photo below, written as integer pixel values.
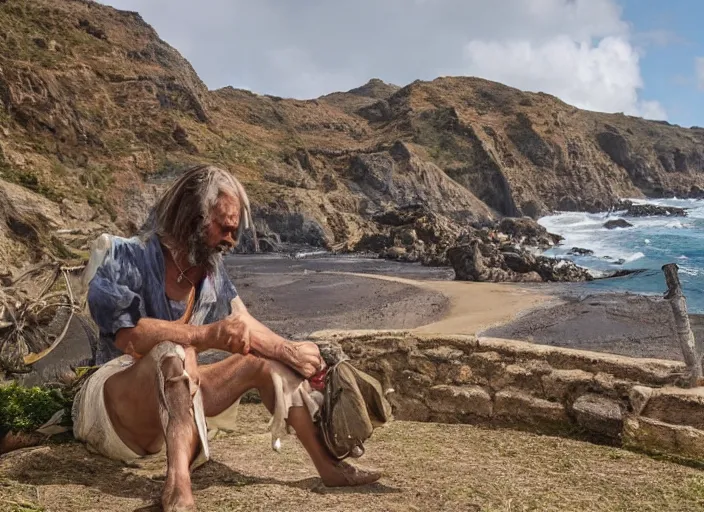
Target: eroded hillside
(99, 113)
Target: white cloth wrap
(92, 425)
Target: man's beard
(199, 254)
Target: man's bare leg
(224, 382)
(132, 401)
(182, 440)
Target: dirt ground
(427, 467)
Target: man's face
(225, 218)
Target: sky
(640, 57)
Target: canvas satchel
(353, 406)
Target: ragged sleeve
(114, 294)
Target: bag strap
(190, 306)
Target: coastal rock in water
(650, 210)
(578, 251)
(617, 223)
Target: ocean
(651, 243)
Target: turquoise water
(651, 243)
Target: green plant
(26, 409)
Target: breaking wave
(650, 243)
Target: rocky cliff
(98, 114)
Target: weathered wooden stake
(678, 303)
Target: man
(159, 299)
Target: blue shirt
(129, 285)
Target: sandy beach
(299, 297)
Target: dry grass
(427, 467)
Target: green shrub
(26, 409)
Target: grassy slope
(427, 467)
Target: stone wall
(630, 402)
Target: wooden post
(685, 335)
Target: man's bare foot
(343, 474)
(177, 497)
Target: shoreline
(473, 307)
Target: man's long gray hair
(181, 216)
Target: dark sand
(294, 298)
(618, 323)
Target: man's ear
(237, 306)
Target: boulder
(554, 270)
(527, 231)
(650, 210)
(617, 223)
(521, 263)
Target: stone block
(517, 376)
(638, 398)
(409, 409)
(486, 364)
(599, 415)
(413, 384)
(516, 406)
(462, 374)
(677, 406)
(607, 384)
(537, 366)
(561, 384)
(443, 354)
(421, 364)
(460, 401)
(653, 436)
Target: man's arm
(239, 333)
(303, 357)
(149, 332)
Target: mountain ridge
(98, 114)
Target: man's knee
(176, 385)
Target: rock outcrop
(649, 210)
(99, 114)
(617, 223)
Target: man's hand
(242, 333)
(231, 334)
(302, 356)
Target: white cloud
(601, 76)
(580, 50)
(699, 67)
